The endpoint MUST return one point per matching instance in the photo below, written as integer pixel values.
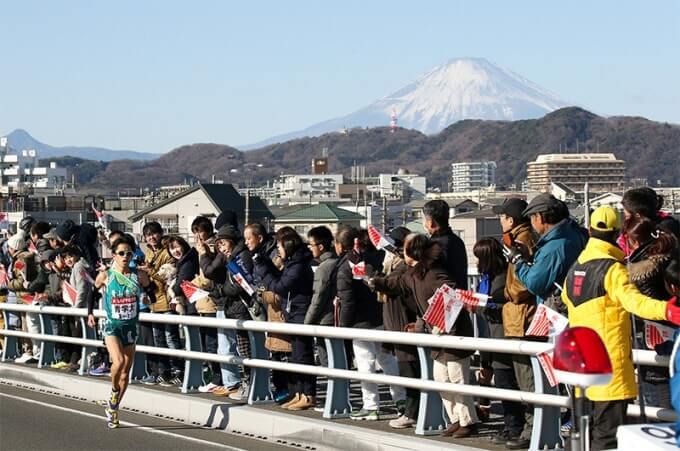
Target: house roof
(486, 213)
(222, 196)
(320, 212)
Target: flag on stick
(380, 241)
(546, 361)
(192, 292)
(68, 293)
(239, 277)
(546, 322)
(656, 333)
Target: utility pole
(384, 214)
(246, 212)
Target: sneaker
(241, 394)
(401, 406)
(25, 358)
(502, 437)
(100, 370)
(59, 365)
(365, 414)
(149, 380)
(112, 418)
(403, 422)
(291, 401)
(163, 382)
(208, 388)
(565, 429)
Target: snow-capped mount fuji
(462, 88)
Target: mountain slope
(20, 139)
(463, 88)
(649, 148)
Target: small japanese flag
(358, 270)
(545, 359)
(192, 292)
(68, 293)
(380, 241)
(546, 322)
(656, 333)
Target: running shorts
(127, 333)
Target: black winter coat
(187, 268)
(214, 266)
(455, 256)
(294, 284)
(359, 306)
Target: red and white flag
(471, 298)
(358, 270)
(444, 309)
(546, 322)
(656, 333)
(20, 266)
(380, 241)
(68, 293)
(192, 292)
(546, 361)
(31, 247)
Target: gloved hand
(673, 311)
(516, 254)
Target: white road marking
(126, 423)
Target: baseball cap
(52, 234)
(513, 207)
(541, 203)
(605, 219)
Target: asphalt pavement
(31, 420)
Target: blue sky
(154, 75)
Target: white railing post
(430, 411)
(337, 390)
(546, 428)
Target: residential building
(296, 189)
(177, 213)
(603, 172)
(20, 172)
(401, 186)
(472, 175)
(307, 217)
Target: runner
(121, 297)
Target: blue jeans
(166, 336)
(226, 345)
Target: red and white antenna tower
(393, 121)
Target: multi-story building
(401, 186)
(20, 171)
(468, 176)
(312, 188)
(603, 172)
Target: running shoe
(208, 388)
(365, 414)
(149, 380)
(241, 394)
(565, 429)
(112, 418)
(25, 358)
(59, 365)
(163, 382)
(100, 370)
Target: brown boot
(449, 431)
(291, 401)
(305, 403)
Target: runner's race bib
(123, 307)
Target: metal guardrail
(546, 401)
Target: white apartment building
(472, 175)
(603, 172)
(400, 186)
(309, 188)
(20, 170)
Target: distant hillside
(649, 148)
(21, 139)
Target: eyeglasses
(124, 254)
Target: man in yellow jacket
(599, 295)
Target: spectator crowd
(619, 276)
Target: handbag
(256, 311)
